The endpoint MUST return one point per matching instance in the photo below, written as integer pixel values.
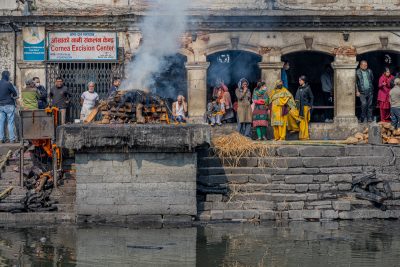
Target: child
(215, 111)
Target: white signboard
(82, 46)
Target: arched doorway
(172, 80)
(377, 62)
(230, 66)
(312, 64)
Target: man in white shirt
(179, 109)
(89, 101)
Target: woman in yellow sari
(283, 104)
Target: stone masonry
(126, 185)
(135, 173)
(297, 183)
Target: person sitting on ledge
(179, 109)
(215, 111)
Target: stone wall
(131, 173)
(7, 53)
(297, 183)
(122, 186)
(338, 4)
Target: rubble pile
(132, 107)
(389, 135)
(40, 185)
(369, 187)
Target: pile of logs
(120, 109)
(358, 138)
(389, 135)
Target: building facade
(256, 34)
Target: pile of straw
(233, 147)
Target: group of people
(35, 96)
(263, 108)
(388, 100)
(220, 107)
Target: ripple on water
(357, 243)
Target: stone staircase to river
(308, 182)
(64, 195)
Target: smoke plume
(161, 29)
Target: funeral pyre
(134, 106)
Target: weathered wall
(233, 4)
(299, 182)
(338, 4)
(7, 52)
(114, 186)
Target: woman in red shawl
(383, 95)
(222, 93)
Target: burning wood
(133, 107)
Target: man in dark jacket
(60, 98)
(365, 90)
(7, 106)
(42, 93)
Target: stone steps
(296, 162)
(63, 199)
(66, 207)
(38, 217)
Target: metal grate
(76, 76)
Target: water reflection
(362, 243)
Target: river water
(347, 243)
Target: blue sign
(34, 43)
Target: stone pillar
(270, 65)
(28, 70)
(197, 89)
(270, 72)
(344, 91)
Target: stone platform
(318, 131)
(127, 173)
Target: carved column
(344, 89)
(270, 66)
(197, 89)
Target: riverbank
(168, 175)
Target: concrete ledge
(37, 217)
(138, 138)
